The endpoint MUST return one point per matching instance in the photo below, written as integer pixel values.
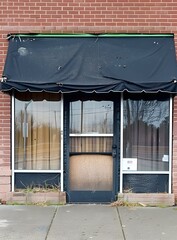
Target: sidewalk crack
(120, 223)
(56, 209)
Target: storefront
(91, 114)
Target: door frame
(116, 99)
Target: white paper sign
(129, 164)
(165, 158)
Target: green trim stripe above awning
(117, 35)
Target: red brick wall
(80, 16)
(5, 171)
(174, 163)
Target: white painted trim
(13, 141)
(170, 146)
(169, 172)
(13, 149)
(146, 172)
(91, 135)
(62, 164)
(37, 171)
(121, 142)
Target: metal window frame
(169, 172)
(91, 135)
(13, 149)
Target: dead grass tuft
(121, 203)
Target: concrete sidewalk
(85, 222)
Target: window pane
(91, 117)
(37, 131)
(146, 133)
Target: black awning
(91, 64)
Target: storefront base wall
(44, 198)
(142, 199)
(147, 199)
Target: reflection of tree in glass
(146, 129)
(150, 112)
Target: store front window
(146, 160)
(146, 133)
(37, 131)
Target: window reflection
(146, 133)
(94, 118)
(37, 131)
(91, 117)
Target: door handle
(114, 151)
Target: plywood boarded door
(91, 173)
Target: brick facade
(79, 16)
(5, 155)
